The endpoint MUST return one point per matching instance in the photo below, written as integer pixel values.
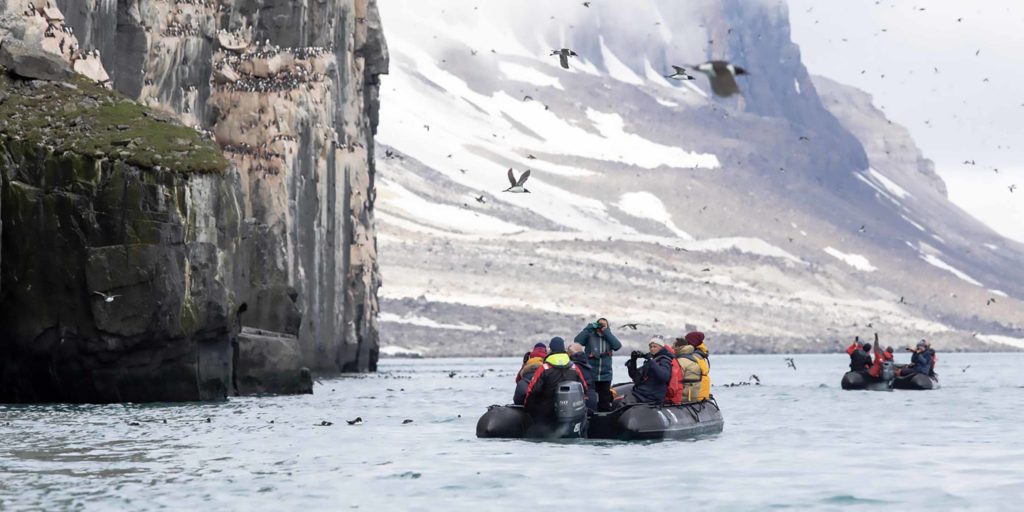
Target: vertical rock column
(289, 91)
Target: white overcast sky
(953, 113)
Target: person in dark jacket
(540, 392)
(920, 361)
(860, 356)
(599, 341)
(650, 381)
(578, 356)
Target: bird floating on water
(357, 421)
(722, 76)
(517, 185)
(563, 56)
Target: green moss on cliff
(84, 118)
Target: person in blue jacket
(579, 357)
(599, 341)
(920, 361)
(651, 381)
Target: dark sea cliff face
(280, 245)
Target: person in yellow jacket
(690, 373)
(700, 355)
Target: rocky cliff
(287, 92)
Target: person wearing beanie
(651, 381)
(685, 385)
(920, 362)
(539, 398)
(599, 343)
(696, 339)
(533, 360)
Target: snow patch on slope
(889, 185)
(854, 260)
(397, 198)
(1002, 340)
(521, 73)
(423, 321)
(616, 69)
(646, 205)
(935, 261)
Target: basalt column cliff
(288, 92)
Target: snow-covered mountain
(787, 219)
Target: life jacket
(674, 392)
(705, 379)
(531, 364)
(558, 368)
(876, 368)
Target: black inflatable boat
(627, 422)
(918, 381)
(861, 380)
(858, 381)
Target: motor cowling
(570, 410)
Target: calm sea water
(796, 441)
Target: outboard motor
(888, 371)
(570, 410)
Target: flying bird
(1012, 188)
(586, 4)
(790, 363)
(630, 326)
(480, 199)
(990, 301)
(563, 56)
(722, 76)
(106, 298)
(680, 74)
(517, 185)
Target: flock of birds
(721, 75)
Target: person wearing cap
(651, 381)
(920, 360)
(539, 398)
(930, 353)
(700, 353)
(579, 357)
(533, 361)
(599, 341)
(860, 356)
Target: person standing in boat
(860, 357)
(539, 399)
(920, 361)
(929, 352)
(651, 381)
(579, 357)
(599, 341)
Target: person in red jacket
(880, 357)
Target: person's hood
(665, 354)
(580, 358)
(683, 350)
(560, 359)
